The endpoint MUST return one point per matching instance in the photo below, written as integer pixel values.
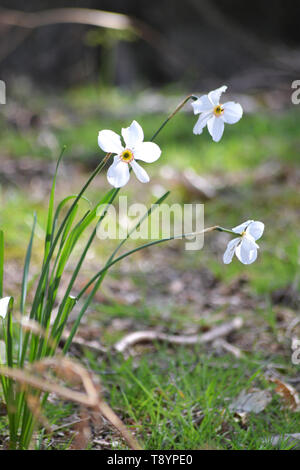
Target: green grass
(179, 399)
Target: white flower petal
(255, 229)
(140, 173)
(202, 104)
(148, 152)
(241, 228)
(231, 247)
(246, 251)
(118, 173)
(4, 305)
(133, 135)
(201, 123)
(232, 112)
(214, 96)
(110, 142)
(215, 126)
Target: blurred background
(70, 72)
(196, 43)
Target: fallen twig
(220, 343)
(152, 335)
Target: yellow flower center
(126, 156)
(243, 233)
(218, 110)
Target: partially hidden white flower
(135, 149)
(245, 246)
(214, 114)
(4, 304)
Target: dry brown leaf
(288, 393)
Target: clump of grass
(179, 399)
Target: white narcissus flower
(4, 304)
(245, 246)
(135, 149)
(214, 115)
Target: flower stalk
(177, 109)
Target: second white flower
(214, 114)
(244, 246)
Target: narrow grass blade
(48, 237)
(71, 241)
(108, 199)
(61, 206)
(10, 396)
(25, 281)
(56, 334)
(26, 267)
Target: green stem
(142, 247)
(178, 108)
(226, 230)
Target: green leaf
(61, 206)
(107, 199)
(68, 306)
(8, 333)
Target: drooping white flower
(214, 115)
(135, 149)
(245, 246)
(4, 304)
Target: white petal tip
(4, 306)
